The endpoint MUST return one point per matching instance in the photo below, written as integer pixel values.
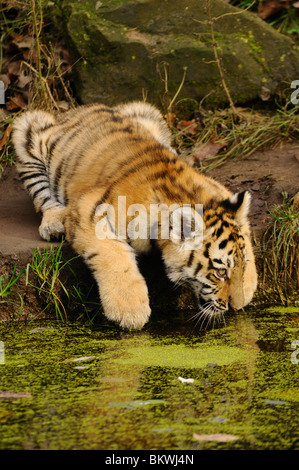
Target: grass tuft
(240, 134)
(281, 248)
(7, 294)
(47, 266)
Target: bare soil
(267, 175)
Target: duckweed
(80, 387)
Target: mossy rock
(121, 48)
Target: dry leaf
(296, 200)
(202, 151)
(265, 93)
(63, 105)
(23, 80)
(189, 127)
(215, 437)
(14, 68)
(16, 102)
(6, 80)
(23, 42)
(5, 415)
(5, 136)
(170, 117)
(187, 381)
(79, 359)
(267, 8)
(30, 55)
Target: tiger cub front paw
(127, 307)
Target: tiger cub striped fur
(72, 163)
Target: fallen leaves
(23, 41)
(16, 102)
(79, 359)
(207, 150)
(268, 8)
(22, 68)
(191, 132)
(5, 137)
(188, 127)
(187, 381)
(296, 200)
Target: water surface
(74, 386)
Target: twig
(178, 90)
(217, 58)
(211, 20)
(44, 82)
(37, 31)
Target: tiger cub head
(222, 271)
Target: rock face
(124, 47)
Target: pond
(170, 386)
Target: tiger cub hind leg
(31, 132)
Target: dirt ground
(266, 175)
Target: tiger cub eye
(221, 273)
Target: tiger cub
(100, 157)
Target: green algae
(129, 397)
(280, 309)
(181, 356)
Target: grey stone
(122, 47)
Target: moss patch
(76, 387)
(130, 41)
(181, 356)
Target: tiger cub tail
(29, 138)
(150, 118)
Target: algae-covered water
(72, 386)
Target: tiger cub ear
(239, 204)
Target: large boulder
(123, 49)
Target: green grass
(47, 266)
(60, 290)
(281, 245)
(81, 301)
(242, 134)
(285, 21)
(7, 294)
(58, 285)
